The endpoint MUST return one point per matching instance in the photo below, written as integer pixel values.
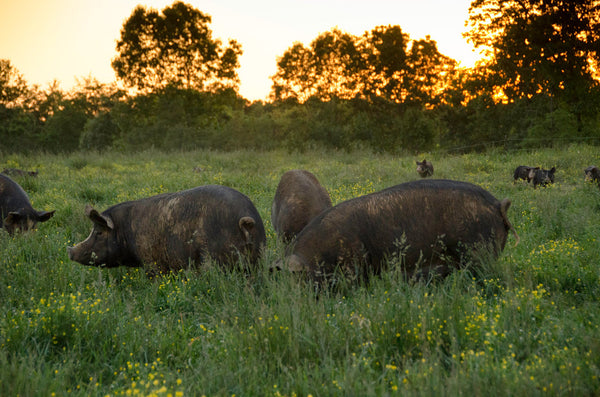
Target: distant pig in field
(592, 174)
(169, 231)
(18, 172)
(432, 226)
(299, 198)
(542, 177)
(424, 168)
(524, 172)
(16, 212)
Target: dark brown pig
(18, 172)
(541, 176)
(433, 226)
(169, 231)
(424, 168)
(299, 198)
(16, 212)
(524, 172)
(592, 174)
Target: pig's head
(551, 174)
(592, 173)
(101, 248)
(424, 168)
(292, 263)
(23, 220)
(532, 171)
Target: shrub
(99, 133)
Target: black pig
(424, 168)
(592, 174)
(16, 212)
(170, 230)
(299, 198)
(524, 172)
(542, 177)
(434, 226)
(18, 172)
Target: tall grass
(525, 324)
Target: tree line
(178, 88)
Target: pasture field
(526, 324)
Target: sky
(66, 40)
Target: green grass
(526, 324)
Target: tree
(326, 69)
(547, 47)
(385, 73)
(62, 130)
(94, 97)
(176, 48)
(377, 64)
(99, 133)
(17, 125)
(430, 73)
(48, 102)
(13, 87)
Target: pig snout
(70, 253)
(75, 254)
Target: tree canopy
(549, 47)
(377, 64)
(174, 47)
(13, 87)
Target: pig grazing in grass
(524, 172)
(424, 168)
(16, 212)
(431, 226)
(542, 177)
(169, 231)
(592, 174)
(299, 198)
(18, 172)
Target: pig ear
(98, 218)
(43, 216)
(246, 224)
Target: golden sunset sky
(68, 39)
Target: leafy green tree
(94, 97)
(17, 124)
(377, 64)
(326, 69)
(17, 128)
(174, 47)
(48, 102)
(385, 72)
(61, 117)
(430, 73)
(547, 47)
(62, 131)
(13, 87)
(99, 133)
